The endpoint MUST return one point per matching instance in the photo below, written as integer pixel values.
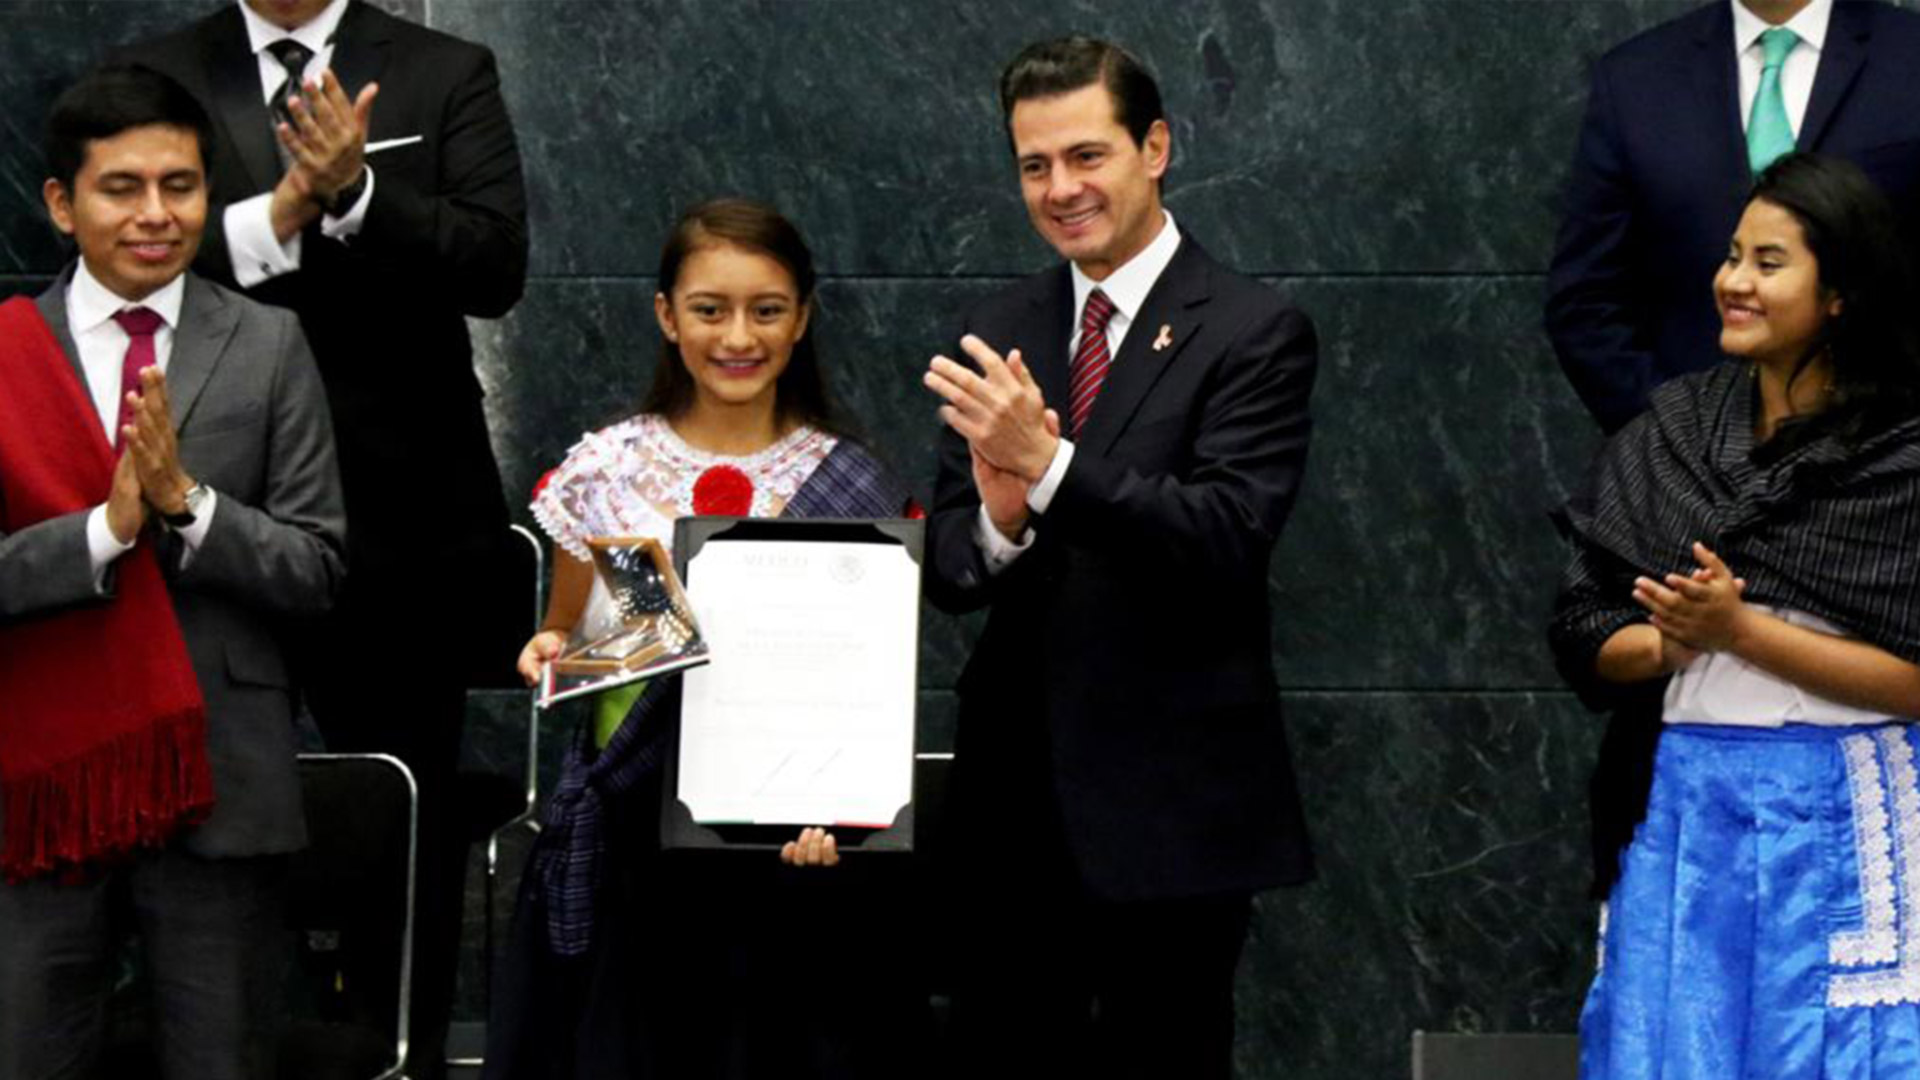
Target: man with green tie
(1679, 121)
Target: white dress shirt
(1796, 74)
(91, 307)
(1720, 688)
(1127, 288)
(256, 253)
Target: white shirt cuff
(102, 546)
(998, 551)
(1040, 495)
(347, 225)
(257, 255)
(193, 535)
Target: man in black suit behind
(382, 217)
(1659, 178)
(1118, 460)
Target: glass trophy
(637, 625)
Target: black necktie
(294, 57)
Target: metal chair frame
(526, 816)
(397, 1070)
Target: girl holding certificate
(628, 962)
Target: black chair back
(355, 880)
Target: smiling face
(735, 315)
(1091, 191)
(137, 208)
(1772, 304)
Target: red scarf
(103, 733)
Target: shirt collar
(1128, 286)
(90, 303)
(314, 34)
(1810, 26)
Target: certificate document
(805, 715)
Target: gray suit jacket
(253, 426)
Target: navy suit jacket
(1661, 176)
(1127, 655)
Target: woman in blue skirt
(1754, 540)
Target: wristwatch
(196, 499)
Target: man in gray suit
(199, 456)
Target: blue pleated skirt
(1766, 924)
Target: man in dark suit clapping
(383, 217)
(1122, 448)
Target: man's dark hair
(1063, 65)
(112, 99)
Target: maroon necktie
(1090, 361)
(139, 323)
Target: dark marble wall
(1393, 163)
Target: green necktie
(1769, 135)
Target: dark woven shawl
(1828, 528)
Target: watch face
(195, 498)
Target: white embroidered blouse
(636, 477)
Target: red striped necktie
(1090, 361)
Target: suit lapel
(234, 74)
(1716, 82)
(1840, 63)
(53, 309)
(1045, 352)
(1164, 325)
(207, 325)
(360, 49)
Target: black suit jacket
(444, 237)
(1127, 654)
(1661, 176)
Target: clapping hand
(152, 448)
(327, 138)
(1702, 611)
(1002, 493)
(126, 510)
(999, 409)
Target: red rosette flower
(723, 491)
